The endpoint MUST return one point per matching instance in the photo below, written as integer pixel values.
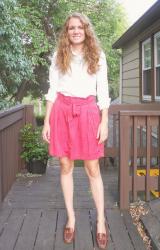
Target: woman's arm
(102, 132)
(46, 127)
(103, 98)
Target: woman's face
(76, 31)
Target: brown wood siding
(130, 73)
(131, 91)
(11, 121)
(127, 99)
(131, 83)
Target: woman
(75, 124)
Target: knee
(66, 166)
(93, 170)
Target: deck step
(151, 223)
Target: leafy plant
(34, 148)
(40, 120)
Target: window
(157, 64)
(146, 69)
(151, 68)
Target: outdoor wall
(130, 73)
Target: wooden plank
(124, 159)
(4, 215)
(131, 74)
(118, 230)
(8, 120)
(131, 91)
(148, 156)
(110, 245)
(83, 239)
(1, 168)
(11, 229)
(134, 185)
(133, 232)
(131, 65)
(131, 83)
(130, 47)
(152, 225)
(28, 233)
(131, 56)
(130, 99)
(46, 234)
(59, 243)
(155, 206)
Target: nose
(76, 30)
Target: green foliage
(40, 120)
(15, 67)
(28, 36)
(34, 148)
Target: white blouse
(77, 82)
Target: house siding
(130, 73)
(131, 64)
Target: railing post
(29, 114)
(124, 160)
(1, 167)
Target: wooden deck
(33, 214)
(151, 222)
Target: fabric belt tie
(76, 109)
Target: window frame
(145, 97)
(157, 34)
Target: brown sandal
(102, 239)
(68, 234)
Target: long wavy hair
(91, 48)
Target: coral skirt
(74, 124)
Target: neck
(77, 48)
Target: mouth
(76, 36)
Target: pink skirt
(74, 124)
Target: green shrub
(34, 148)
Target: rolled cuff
(49, 97)
(104, 104)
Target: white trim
(145, 97)
(144, 43)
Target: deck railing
(134, 140)
(11, 121)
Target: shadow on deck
(33, 214)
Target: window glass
(147, 55)
(146, 73)
(158, 81)
(158, 50)
(157, 63)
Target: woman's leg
(93, 171)
(67, 188)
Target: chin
(77, 42)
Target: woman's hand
(46, 132)
(102, 132)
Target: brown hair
(91, 48)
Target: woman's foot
(69, 231)
(101, 234)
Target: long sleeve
(53, 80)
(102, 84)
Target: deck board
(46, 232)
(33, 214)
(151, 222)
(118, 230)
